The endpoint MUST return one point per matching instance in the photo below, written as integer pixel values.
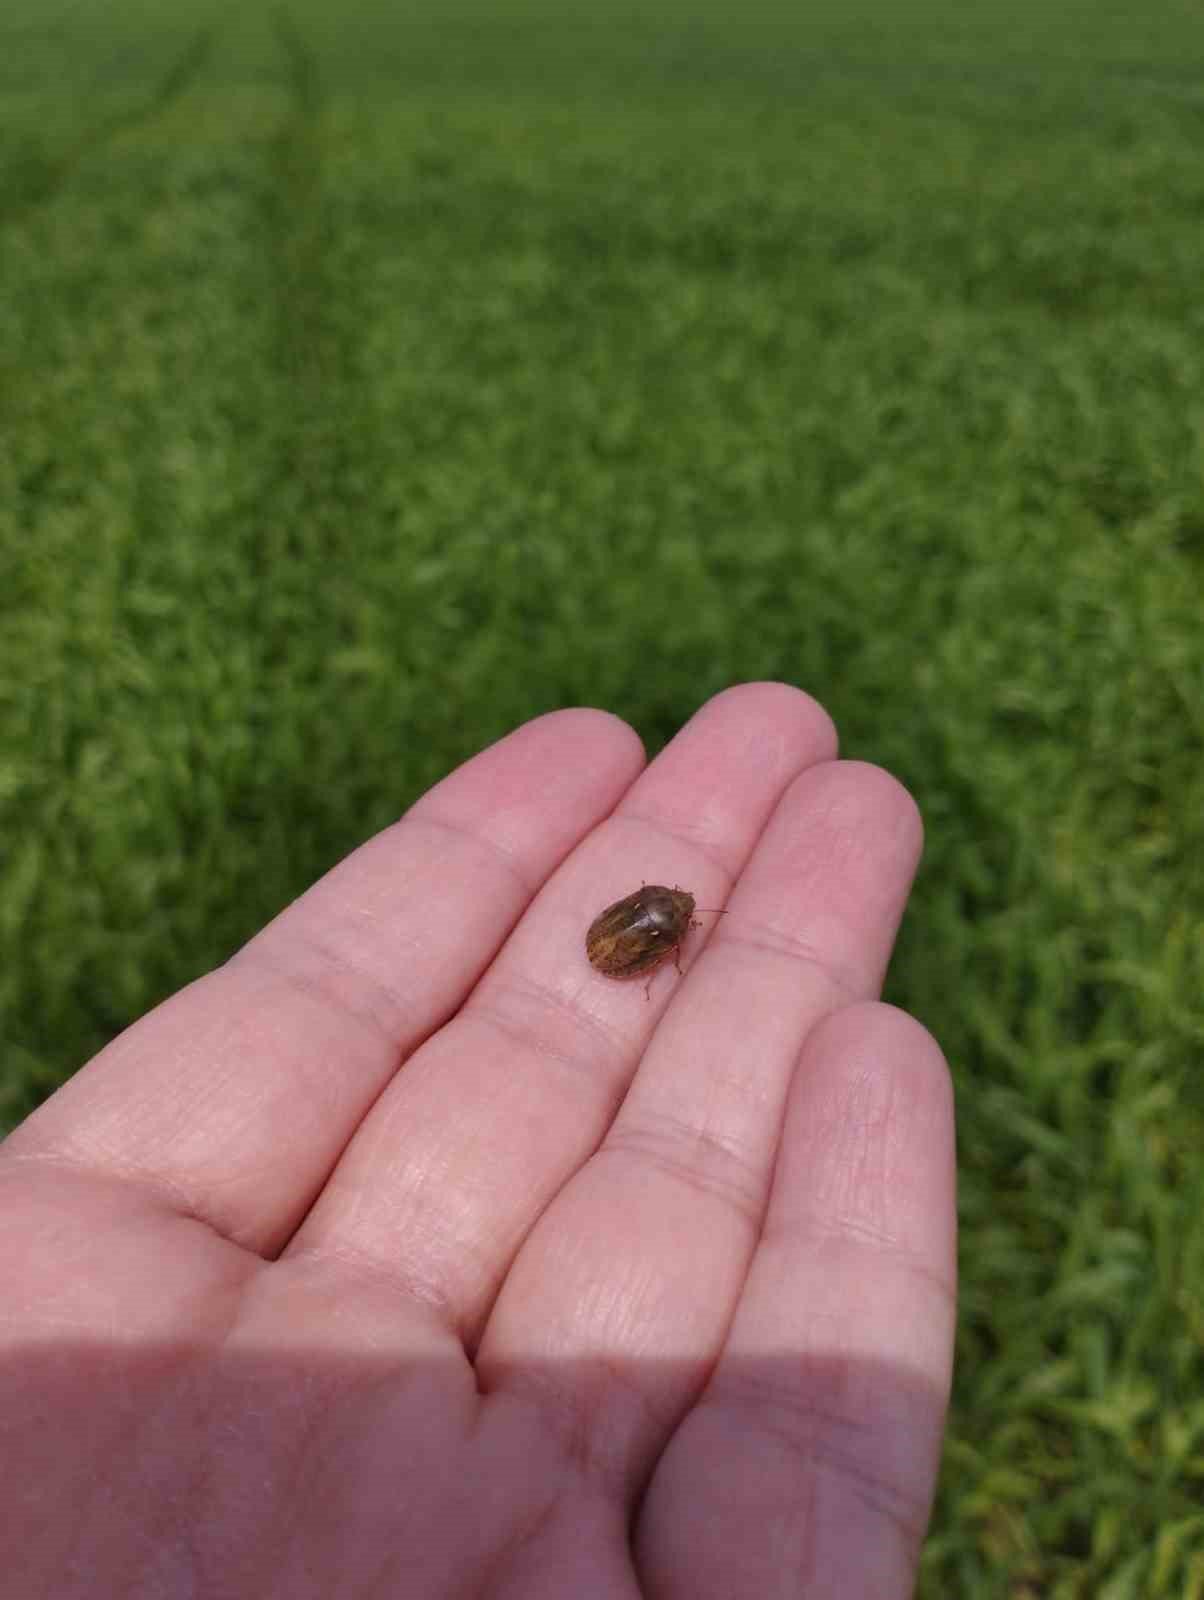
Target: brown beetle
(640, 931)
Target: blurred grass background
(371, 381)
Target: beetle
(640, 931)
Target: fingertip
(594, 723)
(871, 1128)
(891, 798)
(872, 1035)
(775, 702)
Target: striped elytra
(640, 931)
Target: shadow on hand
(197, 1469)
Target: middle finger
(632, 1274)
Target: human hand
(405, 1255)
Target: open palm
(407, 1256)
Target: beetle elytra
(640, 931)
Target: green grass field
(371, 382)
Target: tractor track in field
(324, 433)
(34, 177)
(295, 207)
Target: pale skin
(407, 1256)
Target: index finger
(233, 1100)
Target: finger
(234, 1099)
(645, 1254)
(820, 1428)
(498, 1110)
